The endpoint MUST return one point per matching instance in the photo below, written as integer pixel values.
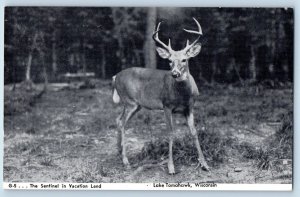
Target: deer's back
(143, 86)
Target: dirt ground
(71, 136)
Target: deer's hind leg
(127, 113)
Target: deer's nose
(175, 74)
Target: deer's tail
(116, 97)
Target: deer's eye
(183, 61)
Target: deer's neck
(185, 85)
(182, 84)
(178, 94)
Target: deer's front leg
(168, 114)
(191, 124)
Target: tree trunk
(103, 63)
(121, 53)
(83, 59)
(28, 67)
(149, 46)
(118, 31)
(54, 56)
(42, 55)
(41, 49)
(29, 62)
(237, 71)
(252, 66)
(273, 47)
(214, 69)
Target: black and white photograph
(171, 96)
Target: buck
(173, 91)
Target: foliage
(237, 44)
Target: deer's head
(179, 59)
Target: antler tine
(199, 33)
(156, 38)
(187, 42)
(169, 44)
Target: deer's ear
(195, 50)
(163, 53)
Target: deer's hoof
(128, 167)
(172, 172)
(171, 169)
(126, 163)
(205, 167)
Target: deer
(173, 91)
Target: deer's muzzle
(175, 69)
(175, 73)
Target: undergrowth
(21, 99)
(214, 146)
(276, 148)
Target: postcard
(148, 98)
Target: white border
(211, 3)
(157, 3)
(147, 186)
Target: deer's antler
(156, 39)
(199, 33)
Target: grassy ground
(71, 136)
